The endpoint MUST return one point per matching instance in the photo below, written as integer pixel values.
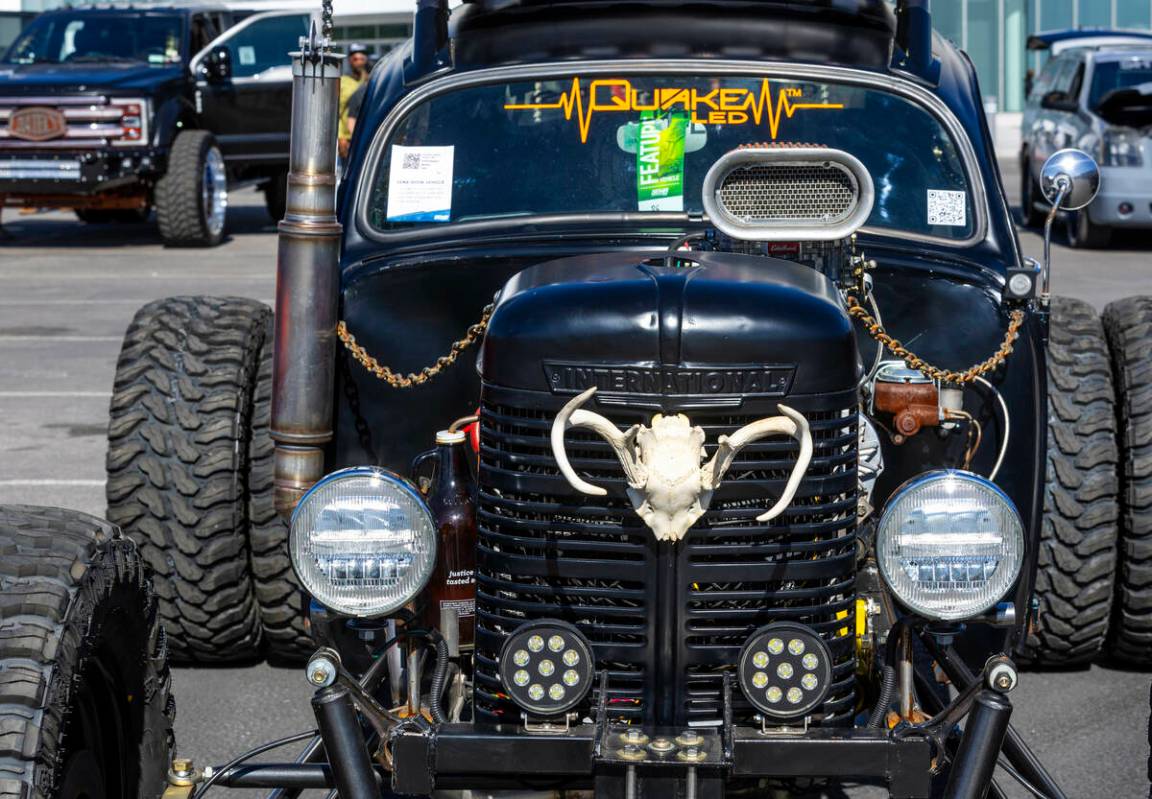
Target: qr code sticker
(948, 208)
(411, 161)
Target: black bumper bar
(456, 755)
(605, 756)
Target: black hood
(732, 325)
(121, 77)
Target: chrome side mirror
(1069, 180)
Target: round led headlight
(363, 542)
(547, 667)
(785, 670)
(950, 544)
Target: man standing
(358, 69)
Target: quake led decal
(715, 106)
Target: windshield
(643, 144)
(1126, 73)
(79, 38)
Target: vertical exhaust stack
(307, 277)
(429, 39)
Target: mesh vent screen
(788, 193)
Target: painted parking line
(54, 394)
(15, 338)
(23, 483)
(20, 303)
(73, 276)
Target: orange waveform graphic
(718, 106)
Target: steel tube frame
(352, 773)
(1019, 754)
(984, 732)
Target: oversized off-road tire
(276, 196)
(86, 706)
(1129, 327)
(178, 450)
(1084, 234)
(1077, 557)
(277, 589)
(192, 197)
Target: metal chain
(877, 331)
(397, 380)
(326, 26)
(855, 310)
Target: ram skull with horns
(669, 485)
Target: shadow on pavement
(61, 229)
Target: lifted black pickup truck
(114, 111)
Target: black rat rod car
(774, 452)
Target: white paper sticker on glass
(247, 54)
(420, 184)
(948, 208)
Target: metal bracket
(784, 730)
(547, 726)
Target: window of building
(1133, 14)
(379, 39)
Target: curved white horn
(792, 424)
(804, 436)
(572, 415)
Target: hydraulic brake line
(251, 753)
(1007, 429)
(1016, 775)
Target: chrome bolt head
(320, 672)
(1003, 677)
(689, 738)
(631, 752)
(634, 737)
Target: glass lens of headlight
(950, 545)
(1120, 147)
(363, 542)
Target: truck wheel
(277, 590)
(1129, 327)
(86, 706)
(1029, 196)
(181, 417)
(276, 196)
(1084, 234)
(192, 197)
(1077, 557)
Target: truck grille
(90, 122)
(666, 620)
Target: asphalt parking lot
(67, 292)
